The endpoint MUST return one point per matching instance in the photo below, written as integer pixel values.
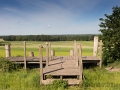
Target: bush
(7, 66)
(60, 84)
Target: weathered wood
(8, 50)
(52, 52)
(47, 54)
(95, 48)
(80, 63)
(71, 52)
(100, 53)
(24, 54)
(75, 49)
(31, 54)
(61, 77)
(41, 64)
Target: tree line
(81, 37)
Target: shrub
(7, 66)
(60, 84)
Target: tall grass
(20, 80)
(94, 79)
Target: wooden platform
(62, 67)
(35, 60)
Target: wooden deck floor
(35, 60)
(60, 66)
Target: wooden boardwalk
(35, 60)
(69, 68)
(62, 67)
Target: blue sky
(36, 17)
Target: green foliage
(3, 43)
(110, 29)
(20, 80)
(100, 79)
(81, 37)
(94, 79)
(7, 66)
(60, 84)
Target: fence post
(41, 64)
(100, 53)
(95, 49)
(71, 52)
(75, 49)
(47, 54)
(8, 50)
(80, 63)
(50, 51)
(31, 54)
(24, 54)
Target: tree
(110, 29)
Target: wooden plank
(68, 72)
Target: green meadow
(62, 48)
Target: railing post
(50, 51)
(75, 46)
(71, 52)
(100, 53)
(47, 54)
(95, 49)
(24, 54)
(80, 63)
(31, 54)
(8, 50)
(41, 63)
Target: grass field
(94, 79)
(62, 48)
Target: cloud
(48, 26)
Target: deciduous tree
(110, 29)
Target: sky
(36, 17)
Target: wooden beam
(47, 54)
(100, 53)
(8, 50)
(24, 54)
(95, 48)
(75, 46)
(31, 54)
(71, 52)
(80, 63)
(41, 63)
(50, 51)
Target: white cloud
(48, 26)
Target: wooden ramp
(62, 68)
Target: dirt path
(113, 69)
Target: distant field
(1, 39)
(62, 48)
